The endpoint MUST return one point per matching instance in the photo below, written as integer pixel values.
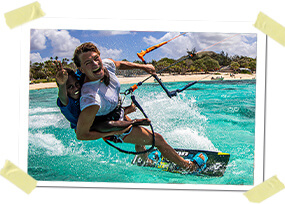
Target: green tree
(199, 65)
(210, 64)
(252, 65)
(244, 62)
(235, 66)
(177, 69)
(138, 62)
(161, 64)
(193, 69)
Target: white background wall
(219, 10)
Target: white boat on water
(219, 78)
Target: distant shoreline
(164, 78)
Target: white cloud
(173, 49)
(36, 57)
(109, 53)
(244, 44)
(63, 44)
(114, 32)
(38, 40)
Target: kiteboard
(215, 166)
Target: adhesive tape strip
(271, 28)
(24, 14)
(264, 190)
(18, 177)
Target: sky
(119, 45)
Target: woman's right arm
(61, 79)
(85, 121)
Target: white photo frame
(146, 25)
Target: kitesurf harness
(153, 135)
(134, 87)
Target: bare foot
(193, 166)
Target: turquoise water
(217, 116)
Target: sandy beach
(164, 78)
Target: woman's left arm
(85, 121)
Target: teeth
(77, 92)
(96, 70)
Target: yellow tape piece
(264, 190)
(18, 177)
(271, 28)
(24, 14)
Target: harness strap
(153, 135)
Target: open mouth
(77, 92)
(97, 70)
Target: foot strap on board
(200, 159)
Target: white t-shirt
(97, 93)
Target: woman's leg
(141, 136)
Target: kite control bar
(142, 54)
(169, 93)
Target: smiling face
(91, 65)
(73, 87)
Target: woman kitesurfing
(101, 114)
(100, 102)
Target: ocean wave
(167, 114)
(40, 143)
(41, 110)
(48, 120)
(190, 139)
(48, 144)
